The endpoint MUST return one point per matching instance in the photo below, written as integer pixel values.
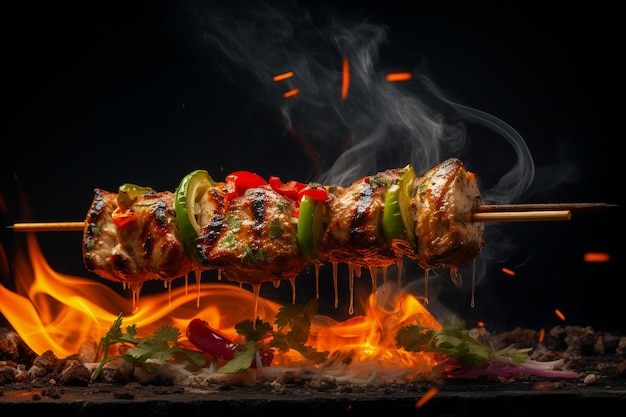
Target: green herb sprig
(454, 341)
(293, 324)
(163, 345)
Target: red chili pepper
(123, 217)
(210, 340)
(290, 189)
(239, 181)
(267, 356)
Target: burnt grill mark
(147, 245)
(258, 205)
(160, 211)
(209, 237)
(98, 206)
(459, 221)
(118, 262)
(89, 263)
(363, 202)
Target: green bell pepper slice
(189, 192)
(311, 227)
(127, 193)
(397, 221)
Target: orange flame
(62, 313)
(53, 311)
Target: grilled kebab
(254, 231)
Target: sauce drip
(373, 274)
(472, 303)
(256, 289)
(456, 277)
(351, 272)
(317, 280)
(198, 274)
(293, 290)
(135, 290)
(426, 271)
(335, 267)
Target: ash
(595, 357)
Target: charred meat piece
(446, 197)
(254, 239)
(354, 232)
(145, 245)
(100, 235)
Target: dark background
(96, 94)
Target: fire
(53, 311)
(63, 313)
(369, 340)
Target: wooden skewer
(485, 213)
(522, 216)
(573, 207)
(49, 227)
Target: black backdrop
(96, 94)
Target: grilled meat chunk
(354, 232)
(100, 235)
(147, 246)
(445, 199)
(254, 239)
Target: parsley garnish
(293, 323)
(162, 345)
(453, 341)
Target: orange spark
(597, 257)
(508, 271)
(346, 78)
(480, 324)
(542, 335)
(399, 76)
(291, 93)
(430, 394)
(559, 314)
(284, 76)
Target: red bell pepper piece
(123, 217)
(290, 189)
(317, 191)
(239, 181)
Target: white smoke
(379, 125)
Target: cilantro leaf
(294, 325)
(241, 361)
(163, 345)
(291, 331)
(452, 340)
(257, 331)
